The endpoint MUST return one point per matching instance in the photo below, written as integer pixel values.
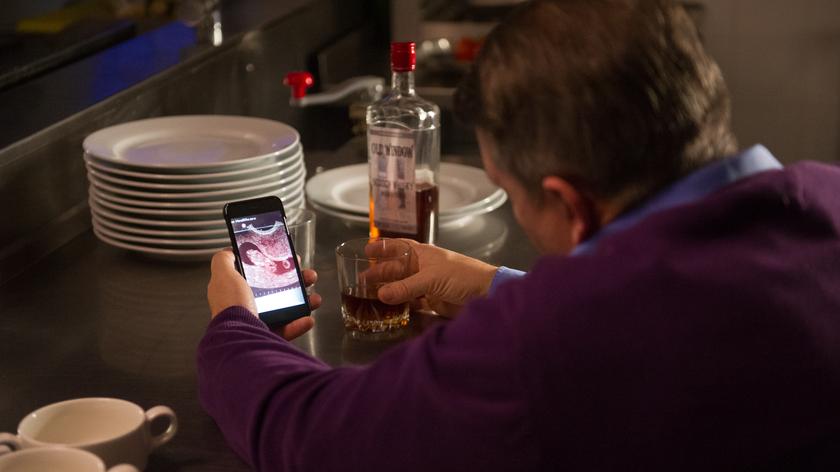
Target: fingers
(315, 301)
(227, 287)
(405, 290)
(309, 277)
(384, 272)
(410, 242)
(296, 328)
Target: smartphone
(266, 257)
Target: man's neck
(631, 207)
(609, 210)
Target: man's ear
(574, 204)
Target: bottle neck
(403, 82)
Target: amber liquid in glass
(363, 311)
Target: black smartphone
(266, 257)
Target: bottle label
(391, 156)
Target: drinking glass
(301, 225)
(365, 265)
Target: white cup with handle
(117, 431)
(65, 459)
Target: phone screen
(267, 260)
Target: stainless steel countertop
(92, 320)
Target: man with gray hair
(685, 315)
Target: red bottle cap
(299, 82)
(402, 57)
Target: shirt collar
(693, 187)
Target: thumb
(405, 290)
(223, 263)
(223, 260)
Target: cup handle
(123, 468)
(164, 437)
(10, 441)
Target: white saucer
(464, 190)
(192, 143)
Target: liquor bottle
(403, 136)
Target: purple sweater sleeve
(451, 399)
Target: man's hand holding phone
(228, 288)
(265, 256)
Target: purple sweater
(706, 337)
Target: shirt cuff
(503, 274)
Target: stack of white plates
(158, 186)
(465, 192)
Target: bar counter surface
(92, 320)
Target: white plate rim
(178, 213)
(108, 213)
(112, 180)
(155, 250)
(93, 146)
(159, 241)
(442, 225)
(487, 205)
(192, 174)
(316, 191)
(114, 226)
(283, 192)
(95, 180)
(194, 179)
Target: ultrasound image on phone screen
(267, 261)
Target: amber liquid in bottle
(426, 196)
(402, 120)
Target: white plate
(195, 179)
(463, 189)
(289, 180)
(162, 242)
(293, 200)
(479, 238)
(297, 201)
(185, 234)
(166, 225)
(166, 253)
(488, 205)
(282, 161)
(443, 225)
(263, 178)
(191, 143)
(283, 192)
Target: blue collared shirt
(694, 186)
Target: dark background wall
(781, 59)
